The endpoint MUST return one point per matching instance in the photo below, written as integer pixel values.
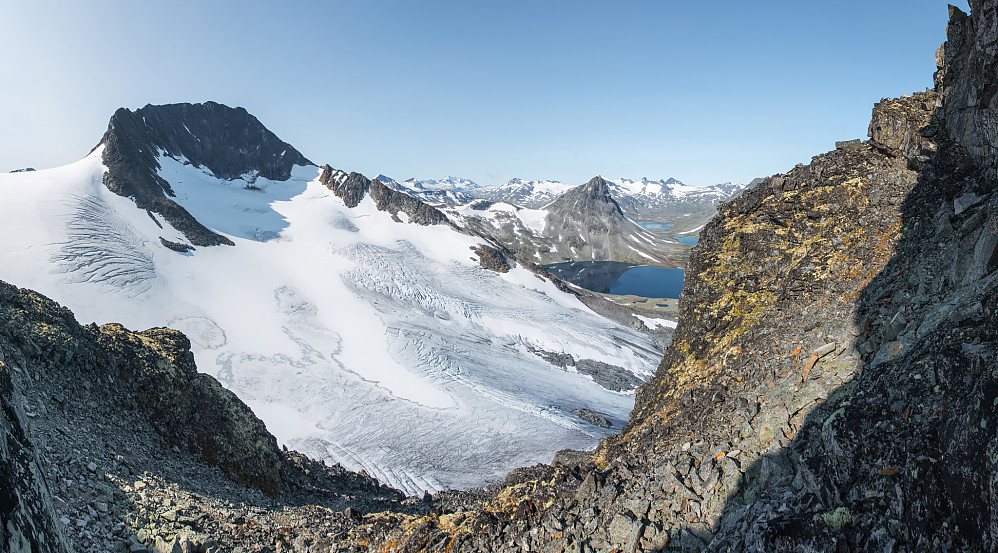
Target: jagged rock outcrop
(158, 367)
(227, 141)
(494, 259)
(968, 82)
(352, 188)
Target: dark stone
(176, 246)
(848, 144)
(592, 417)
(493, 259)
(608, 376)
(26, 510)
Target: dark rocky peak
(596, 187)
(229, 142)
(592, 198)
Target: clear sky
(705, 92)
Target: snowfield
(380, 345)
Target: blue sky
(564, 89)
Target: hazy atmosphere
(484, 90)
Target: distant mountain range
(642, 200)
(582, 223)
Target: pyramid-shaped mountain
(227, 141)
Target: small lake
(654, 226)
(688, 240)
(612, 277)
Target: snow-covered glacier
(358, 339)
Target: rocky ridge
(352, 188)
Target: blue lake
(654, 226)
(611, 277)
(688, 240)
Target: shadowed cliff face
(227, 141)
(969, 83)
(29, 521)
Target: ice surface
(380, 345)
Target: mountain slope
(643, 200)
(831, 387)
(450, 191)
(597, 226)
(342, 305)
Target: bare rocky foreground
(830, 387)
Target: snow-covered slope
(379, 344)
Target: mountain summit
(591, 199)
(228, 142)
